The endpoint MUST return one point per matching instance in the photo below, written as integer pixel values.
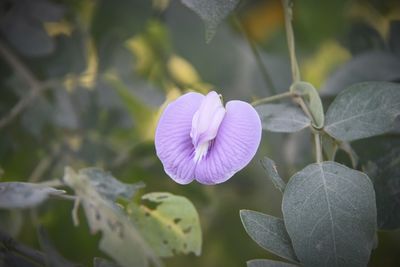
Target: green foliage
(363, 110)
(169, 223)
(269, 232)
(330, 215)
(282, 118)
(83, 83)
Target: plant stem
(318, 150)
(257, 56)
(287, 8)
(304, 107)
(272, 98)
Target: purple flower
(198, 138)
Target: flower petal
(172, 139)
(238, 138)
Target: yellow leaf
(317, 68)
(182, 71)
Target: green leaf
(364, 110)
(371, 66)
(282, 118)
(269, 232)
(270, 167)
(313, 101)
(211, 12)
(268, 263)
(109, 187)
(380, 157)
(14, 195)
(330, 214)
(169, 223)
(120, 239)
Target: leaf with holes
(120, 239)
(364, 110)
(311, 97)
(108, 186)
(211, 12)
(15, 195)
(169, 223)
(268, 263)
(330, 214)
(269, 232)
(282, 118)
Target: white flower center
(205, 124)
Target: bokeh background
(82, 83)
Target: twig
(304, 107)
(75, 217)
(272, 98)
(263, 68)
(52, 183)
(287, 8)
(19, 67)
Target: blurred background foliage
(83, 83)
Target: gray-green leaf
(211, 12)
(171, 227)
(269, 232)
(313, 100)
(268, 263)
(330, 214)
(364, 110)
(282, 118)
(24, 195)
(270, 167)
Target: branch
(272, 98)
(21, 70)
